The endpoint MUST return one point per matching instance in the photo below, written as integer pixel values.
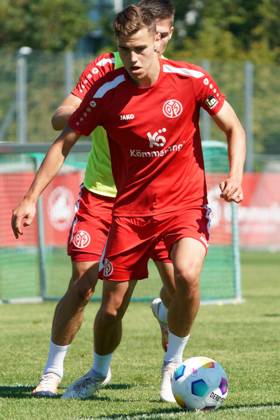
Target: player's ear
(157, 42)
(170, 33)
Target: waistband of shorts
(98, 196)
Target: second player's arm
(24, 213)
(64, 111)
(228, 122)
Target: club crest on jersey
(172, 108)
(81, 239)
(211, 102)
(157, 139)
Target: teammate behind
(99, 190)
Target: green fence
(40, 271)
(26, 107)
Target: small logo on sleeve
(211, 102)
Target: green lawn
(244, 338)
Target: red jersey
(154, 136)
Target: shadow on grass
(16, 391)
(25, 391)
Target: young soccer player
(99, 188)
(158, 167)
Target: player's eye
(163, 35)
(123, 49)
(139, 50)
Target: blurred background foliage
(212, 29)
(226, 33)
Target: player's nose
(133, 57)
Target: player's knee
(188, 279)
(109, 315)
(112, 309)
(82, 288)
(83, 282)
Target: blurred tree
(53, 25)
(229, 29)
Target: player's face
(165, 30)
(139, 55)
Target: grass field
(244, 338)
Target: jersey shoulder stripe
(106, 87)
(168, 68)
(115, 59)
(104, 61)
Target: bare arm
(228, 122)
(24, 213)
(64, 111)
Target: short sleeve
(88, 116)
(208, 93)
(96, 69)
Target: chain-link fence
(32, 84)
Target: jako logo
(157, 139)
(127, 117)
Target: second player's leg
(108, 322)
(166, 272)
(160, 304)
(107, 336)
(68, 316)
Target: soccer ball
(200, 383)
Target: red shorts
(131, 240)
(91, 226)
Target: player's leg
(68, 318)
(86, 241)
(126, 257)
(160, 304)
(107, 336)
(186, 236)
(188, 255)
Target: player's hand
(23, 216)
(231, 190)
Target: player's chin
(137, 74)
